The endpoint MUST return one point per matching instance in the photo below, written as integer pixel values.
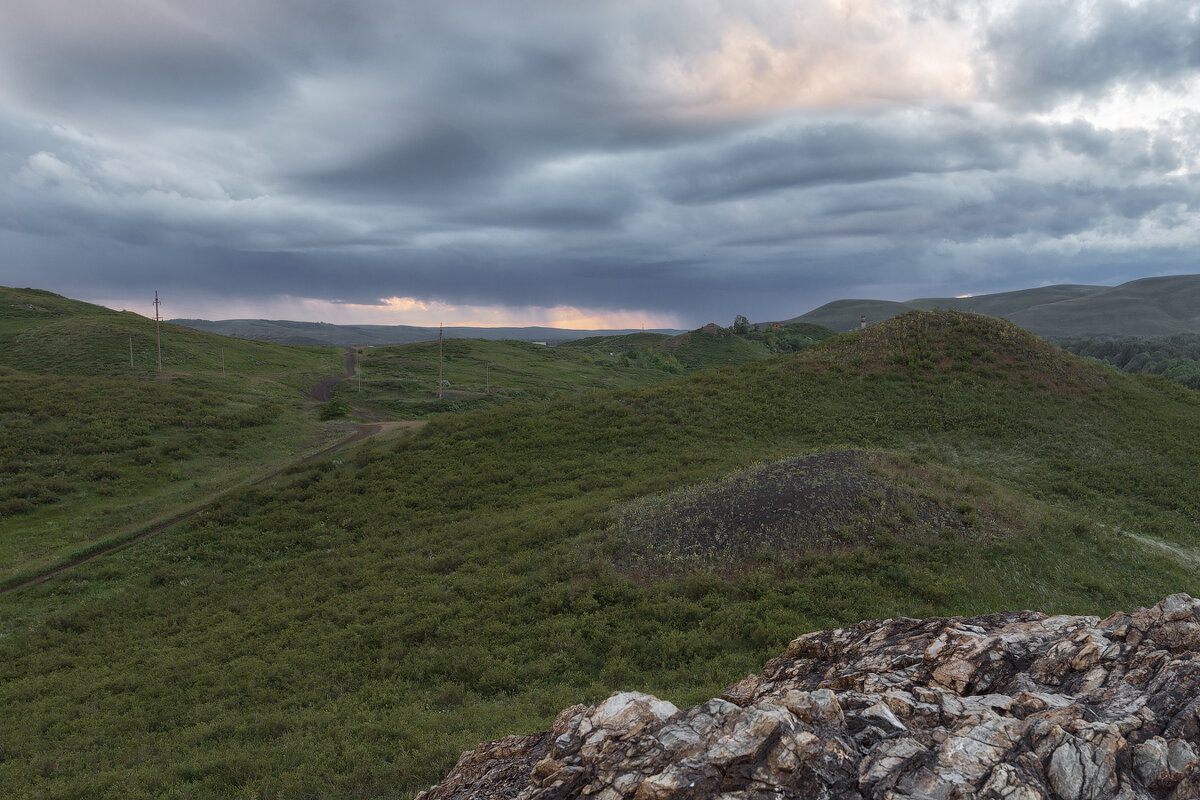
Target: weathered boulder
(1007, 706)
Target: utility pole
(157, 331)
(131, 352)
(487, 378)
(439, 361)
(222, 362)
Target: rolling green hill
(401, 381)
(844, 316)
(349, 630)
(94, 450)
(44, 333)
(710, 346)
(1147, 307)
(704, 348)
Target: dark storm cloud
(829, 153)
(436, 160)
(699, 161)
(171, 79)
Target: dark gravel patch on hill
(809, 504)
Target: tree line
(1175, 357)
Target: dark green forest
(1176, 358)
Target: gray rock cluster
(1007, 706)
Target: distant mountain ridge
(324, 333)
(1158, 306)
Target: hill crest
(1155, 306)
(974, 347)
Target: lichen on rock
(1007, 706)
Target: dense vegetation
(1176, 358)
(348, 629)
(787, 337)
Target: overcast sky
(608, 163)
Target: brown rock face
(1009, 706)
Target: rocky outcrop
(1008, 706)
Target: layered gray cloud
(671, 161)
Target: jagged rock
(1008, 706)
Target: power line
(158, 331)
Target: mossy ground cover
(348, 630)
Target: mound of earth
(1006, 706)
(808, 504)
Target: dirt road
(323, 391)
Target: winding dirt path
(322, 392)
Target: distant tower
(862, 323)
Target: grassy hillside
(704, 348)
(93, 450)
(402, 381)
(844, 316)
(710, 346)
(1147, 307)
(44, 333)
(1003, 304)
(349, 631)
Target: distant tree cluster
(781, 338)
(649, 358)
(1176, 358)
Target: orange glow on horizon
(404, 311)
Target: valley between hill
(352, 627)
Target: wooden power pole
(439, 361)
(157, 331)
